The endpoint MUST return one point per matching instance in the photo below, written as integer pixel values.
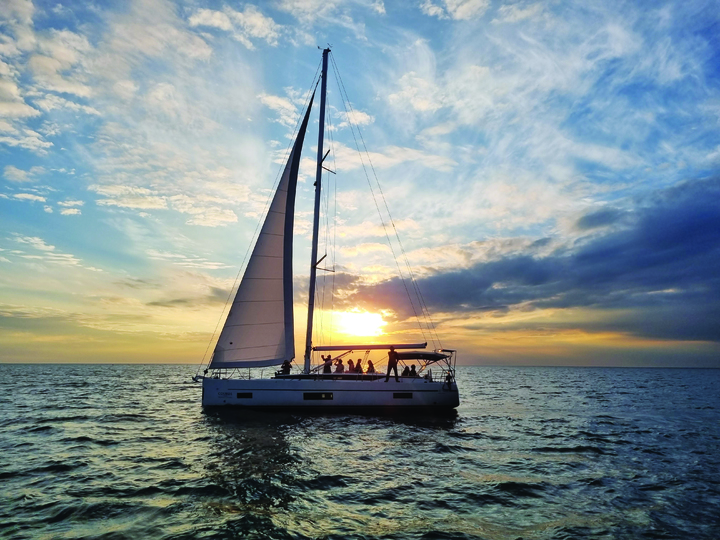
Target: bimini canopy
(370, 347)
(428, 357)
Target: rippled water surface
(120, 452)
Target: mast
(316, 215)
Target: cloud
(419, 92)
(18, 175)
(368, 229)
(29, 197)
(599, 218)
(254, 24)
(12, 103)
(349, 159)
(213, 19)
(243, 25)
(50, 102)
(60, 67)
(33, 241)
(18, 15)
(22, 10)
(364, 249)
(125, 89)
(71, 203)
(510, 13)
(70, 212)
(216, 296)
(354, 117)
(308, 11)
(203, 211)
(16, 108)
(150, 29)
(129, 197)
(455, 9)
(284, 107)
(659, 271)
(57, 60)
(185, 260)
(23, 137)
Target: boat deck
(340, 376)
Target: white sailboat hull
(330, 394)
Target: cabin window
(315, 396)
(402, 395)
(244, 395)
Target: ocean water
(126, 452)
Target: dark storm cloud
(600, 218)
(662, 269)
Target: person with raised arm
(392, 364)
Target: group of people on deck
(351, 367)
(356, 367)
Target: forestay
(259, 327)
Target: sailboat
(259, 328)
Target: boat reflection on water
(251, 459)
(282, 472)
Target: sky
(551, 169)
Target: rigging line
(424, 309)
(330, 220)
(334, 229)
(430, 325)
(421, 300)
(346, 104)
(326, 230)
(346, 99)
(313, 86)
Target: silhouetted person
(358, 366)
(351, 366)
(370, 368)
(339, 367)
(285, 368)
(413, 373)
(406, 372)
(327, 368)
(392, 364)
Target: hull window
(402, 395)
(244, 395)
(317, 396)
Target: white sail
(259, 330)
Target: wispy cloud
(28, 197)
(245, 25)
(455, 9)
(18, 175)
(129, 197)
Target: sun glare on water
(359, 323)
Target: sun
(359, 323)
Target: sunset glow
(555, 198)
(359, 323)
